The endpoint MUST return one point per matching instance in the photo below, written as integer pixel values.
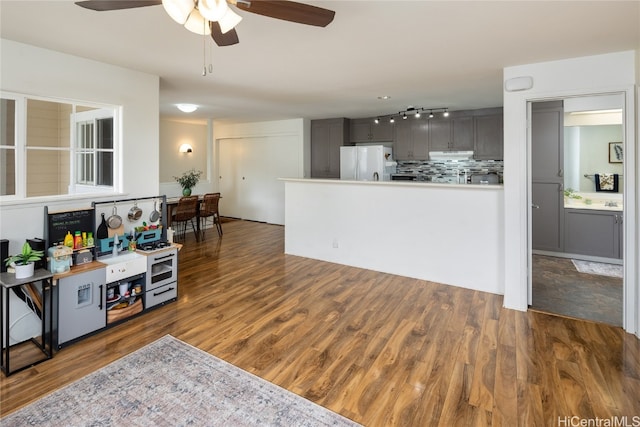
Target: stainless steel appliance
(162, 277)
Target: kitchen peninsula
(446, 233)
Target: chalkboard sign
(59, 223)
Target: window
(53, 148)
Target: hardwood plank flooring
(380, 349)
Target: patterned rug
(171, 383)
(603, 269)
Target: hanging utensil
(101, 232)
(154, 215)
(114, 220)
(135, 212)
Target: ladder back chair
(186, 212)
(209, 209)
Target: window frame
(20, 149)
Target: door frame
(630, 291)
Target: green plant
(570, 193)
(189, 178)
(28, 255)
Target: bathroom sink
(124, 266)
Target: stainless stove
(154, 246)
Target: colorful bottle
(68, 240)
(77, 242)
(90, 241)
(84, 238)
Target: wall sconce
(186, 148)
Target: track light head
(446, 113)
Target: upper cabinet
(488, 135)
(451, 133)
(412, 139)
(327, 136)
(366, 130)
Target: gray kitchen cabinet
(366, 130)
(451, 133)
(488, 136)
(593, 232)
(412, 139)
(547, 183)
(547, 216)
(81, 305)
(327, 136)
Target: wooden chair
(186, 211)
(209, 209)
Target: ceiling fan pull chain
(204, 48)
(211, 57)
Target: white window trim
(20, 147)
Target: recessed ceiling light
(187, 108)
(384, 97)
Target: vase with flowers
(188, 180)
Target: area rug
(171, 383)
(603, 269)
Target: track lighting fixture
(416, 112)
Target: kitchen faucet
(116, 245)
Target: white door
(249, 172)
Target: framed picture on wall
(615, 152)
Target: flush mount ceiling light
(187, 108)
(416, 112)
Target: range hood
(450, 155)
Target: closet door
(230, 150)
(249, 172)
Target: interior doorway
(577, 202)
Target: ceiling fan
(215, 17)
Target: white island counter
(446, 233)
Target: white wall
(443, 233)
(599, 74)
(32, 70)
(173, 163)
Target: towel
(607, 182)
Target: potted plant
(188, 180)
(23, 262)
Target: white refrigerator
(366, 163)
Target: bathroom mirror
(592, 126)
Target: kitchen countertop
(401, 183)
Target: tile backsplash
(427, 169)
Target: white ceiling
(427, 54)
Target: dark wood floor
(380, 349)
(561, 289)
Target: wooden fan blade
(106, 5)
(289, 11)
(227, 39)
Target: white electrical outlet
(335, 243)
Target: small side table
(43, 343)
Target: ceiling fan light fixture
(213, 10)
(229, 21)
(178, 10)
(197, 24)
